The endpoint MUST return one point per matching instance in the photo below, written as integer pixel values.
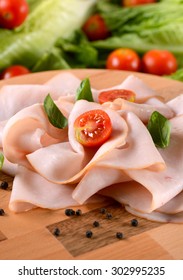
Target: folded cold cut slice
(38, 192)
(87, 158)
(63, 85)
(157, 216)
(160, 191)
(143, 111)
(27, 131)
(96, 179)
(176, 105)
(143, 91)
(136, 154)
(138, 200)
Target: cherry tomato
(159, 62)
(123, 59)
(95, 28)
(15, 70)
(112, 94)
(129, 3)
(13, 13)
(93, 128)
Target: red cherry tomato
(95, 28)
(13, 13)
(159, 62)
(111, 95)
(123, 59)
(129, 3)
(93, 128)
(12, 71)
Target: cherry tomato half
(111, 95)
(159, 62)
(93, 128)
(130, 3)
(13, 13)
(95, 28)
(12, 71)
(123, 59)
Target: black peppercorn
(119, 235)
(89, 233)
(109, 216)
(69, 212)
(2, 212)
(96, 224)
(103, 210)
(4, 185)
(78, 212)
(56, 232)
(134, 222)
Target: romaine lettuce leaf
(178, 75)
(47, 21)
(51, 60)
(72, 52)
(145, 27)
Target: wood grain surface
(31, 235)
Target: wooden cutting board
(30, 235)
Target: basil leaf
(159, 128)
(55, 116)
(1, 160)
(84, 91)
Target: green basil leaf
(55, 116)
(84, 91)
(159, 128)
(1, 160)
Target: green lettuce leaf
(72, 52)
(145, 27)
(178, 75)
(47, 21)
(51, 60)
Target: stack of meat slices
(53, 170)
